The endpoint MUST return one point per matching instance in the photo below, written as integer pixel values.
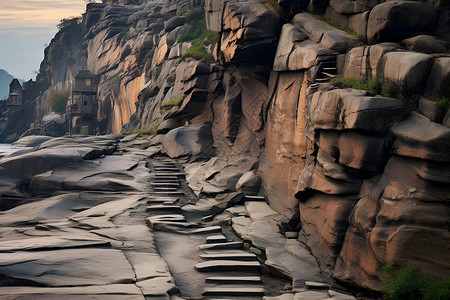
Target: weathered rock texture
(363, 177)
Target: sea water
(6, 149)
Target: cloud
(26, 25)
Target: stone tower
(15, 93)
(82, 108)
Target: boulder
(362, 62)
(305, 55)
(438, 83)
(248, 33)
(407, 70)
(213, 14)
(426, 44)
(367, 153)
(31, 141)
(324, 220)
(249, 183)
(396, 20)
(289, 36)
(327, 36)
(418, 137)
(344, 109)
(174, 22)
(353, 6)
(430, 109)
(358, 23)
(193, 139)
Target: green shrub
(273, 5)
(149, 54)
(443, 103)
(58, 100)
(194, 31)
(373, 86)
(334, 24)
(172, 79)
(389, 90)
(137, 104)
(171, 102)
(144, 132)
(114, 81)
(145, 95)
(195, 14)
(70, 24)
(410, 283)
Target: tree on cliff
(69, 24)
(58, 100)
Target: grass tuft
(144, 132)
(443, 103)
(171, 103)
(410, 283)
(373, 86)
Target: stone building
(15, 94)
(82, 106)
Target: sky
(26, 28)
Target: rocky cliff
(245, 86)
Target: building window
(88, 82)
(85, 102)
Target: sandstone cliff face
(364, 177)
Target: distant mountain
(5, 80)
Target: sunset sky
(25, 27)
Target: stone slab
(216, 239)
(229, 256)
(227, 265)
(227, 245)
(233, 291)
(234, 279)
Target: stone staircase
(222, 266)
(325, 71)
(236, 271)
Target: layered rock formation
(363, 177)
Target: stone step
(164, 178)
(179, 193)
(234, 279)
(161, 199)
(165, 189)
(209, 229)
(322, 79)
(227, 245)
(165, 225)
(229, 256)
(329, 75)
(165, 184)
(167, 170)
(167, 209)
(312, 285)
(164, 174)
(170, 218)
(233, 291)
(329, 69)
(228, 265)
(254, 198)
(216, 239)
